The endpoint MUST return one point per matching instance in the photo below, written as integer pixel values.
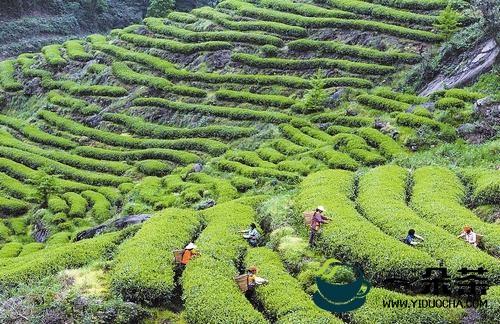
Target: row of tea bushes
(352, 238)
(176, 156)
(76, 51)
(209, 292)
(143, 269)
(437, 195)
(7, 76)
(78, 105)
(381, 197)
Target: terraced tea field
(287, 105)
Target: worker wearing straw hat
(189, 253)
(317, 219)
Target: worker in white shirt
(469, 236)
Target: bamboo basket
(242, 281)
(178, 255)
(308, 217)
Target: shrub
(38, 161)
(31, 248)
(101, 208)
(247, 9)
(143, 270)
(76, 51)
(207, 281)
(382, 12)
(260, 99)
(56, 204)
(175, 156)
(447, 132)
(437, 196)
(381, 103)
(379, 255)
(286, 147)
(336, 129)
(294, 166)
(156, 25)
(335, 159)
(12, 207)
(283, 297)
(413, 4)
(66, 158)
(389, 147)
(77, 204)
(314, 98)
(153, 167)
(139, 126)
(53, 56)
(381, 197)
(450, 103)
(223, 188)
(312, 63)
(182, 17)
(57, 98)
(490, 314)
(16, 188)
(249, 158)
(82, 89)
(242, 183)
(464, 95)
(40, 264)
(421, 111)
(305, 9)
(219, 111)
(126, 74)
(448, 21)
(35, 134)
(269, 154)
(7, 79)
(227, 21)
(298, 137)
(340, 48)
(173, 45)
(343, 120)
(11, 250)
(211, 146)
(485, 185)
(403, 97)
(254, 172)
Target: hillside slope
(286, 106)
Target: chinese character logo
(340, 298)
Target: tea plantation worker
(469, 236)
(317, 219)
(189, 253)
(411, 238)
(253, 281)
(252, 235)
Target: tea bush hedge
(76, 51)
(7, 76)
(305, 9)
(298, 137)
(269, 154)
(173, 45)
(408, 98)
(413, 4)
(465, 95)
(202, 144)
(16, 188)
(411, 120)
(77, 204)
(383, 12)
(56, 204)
(101, 208)
(140, 127)
(385, 144)
(10, 207)
(79, 105)
(124, 73)
(381, 197)
(227, 21)
(287, 147)
(35, 134)
(342, 120)
(207, 281)
(11, 249)
(450, 103)
(183, 17)
(260, 99)
(485, 185)
(437, 195)
(176, 156)
(335, 159)
(253, 172)
(352, 238)
(156, 25)
(335, 47)
(31, 248)
(249, 158)
(51, 260)
(282, 297)
(312, 63)
(219, 111)
(143, 271)
(381, 103)
(490, 314)
(52, 54)
(247, 9)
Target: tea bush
(12, 207)
(53, 55)
(143, 269)
(77, 204)
(175, 156)
(381, 103)
(76, 51)
(101, 208)
(260, 99)
(7, 76)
